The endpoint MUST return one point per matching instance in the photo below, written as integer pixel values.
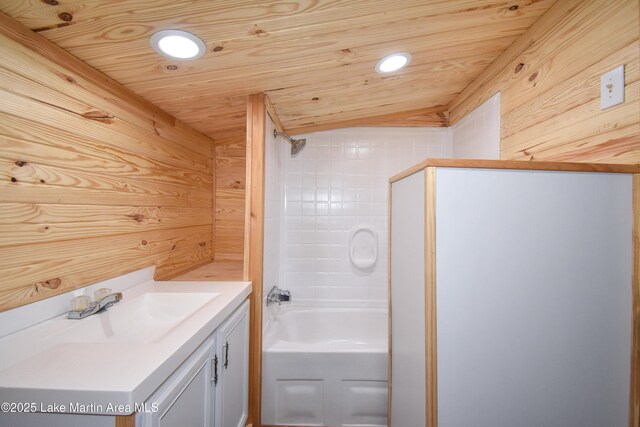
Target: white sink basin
(116, 358)
(142, 319)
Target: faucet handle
(101, 293)
(80, 303)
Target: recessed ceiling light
(393, 62)
(177, 44)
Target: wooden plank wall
(94, 181)
(230, 200)
(549, 81)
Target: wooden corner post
(253, 244)
(634, 391)
(431, 339)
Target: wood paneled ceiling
(314, 58)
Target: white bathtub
(325, 367)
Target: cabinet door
(185, 399)
(232, 341)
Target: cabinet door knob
(226, 355)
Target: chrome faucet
(277, 295)
(96, 307)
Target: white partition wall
(407, 302)
(533, 298)
(533, 301)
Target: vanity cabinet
(512, 294)
(231, 392)
(210, 389)
(187, 397)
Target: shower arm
(286, 136)
(296, 144)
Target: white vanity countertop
(115, 366)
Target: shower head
(296, 144)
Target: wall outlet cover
(612, 88)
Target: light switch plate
(612, 88)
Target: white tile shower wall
(273, 213)
(339, 181)
(477, 135)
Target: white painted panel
(407, 302)
(232, 393)
(189, 406)
(299, 402)
(364, 403)
(534, 298)
(331, 345)
(185, 397)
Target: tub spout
(277, 295)
(285, 296)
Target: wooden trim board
(634, 390)
(430, 318)
(254, 244)
(126, 420)
(213, 202)
(389, 337)
(279, 425)
(517, 164)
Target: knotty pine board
(549, 81)
(93, 184)
(294, 52)
(230, 201)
